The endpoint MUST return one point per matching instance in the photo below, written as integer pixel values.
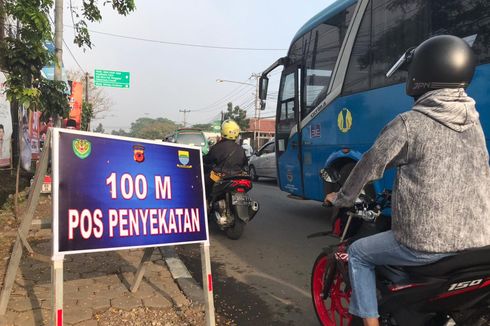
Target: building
(259, 131)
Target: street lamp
(232, 81)
(257, 104)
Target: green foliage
(91, 12)
(100, 128)
(237, 114)
(149, 128)
(24, 54)
(52, 98)
(87, 115)
(204, 126)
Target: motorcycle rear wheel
(334, 309)
(235, 232)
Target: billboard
(112, 193)
(5, 126)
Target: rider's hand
(330, 198)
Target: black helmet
(443, 61)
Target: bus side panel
(479, 89)
(367, 113)
(289, 169)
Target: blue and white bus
(334, 97)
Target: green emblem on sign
(81, 147)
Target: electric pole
(58, 45)
(257, 112)
(185, 112)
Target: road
(264, 277)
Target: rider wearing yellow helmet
(226, 157)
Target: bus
(334, 97)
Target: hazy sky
(168, 78)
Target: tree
(204, 126)
(101, 103)
(237, 114)
(149, 128)
(99, 128)
(23, 53)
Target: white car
(263, 163)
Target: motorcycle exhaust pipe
(253, 208)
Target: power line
(180, 43)
(69, 50)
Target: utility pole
(257, 112)
(86, 87)
(185, 112)
(58, 44)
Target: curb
(181, 275)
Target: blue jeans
(379, 249)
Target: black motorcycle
(452, 291)
(230, 206)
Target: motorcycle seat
(472, 259)
(237, 177)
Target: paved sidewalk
(96, 289)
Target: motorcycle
(452, 291)
(230, 206)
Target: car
(189, 136)
(263, 162)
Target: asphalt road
(264, 277)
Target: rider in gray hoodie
(441, 196)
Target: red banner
(76, 102)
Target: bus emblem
(344, 120)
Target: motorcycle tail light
(240, 190)
(243, 183)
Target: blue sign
(116, 193)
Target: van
(189, 136)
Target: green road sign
(110, 78)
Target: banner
(5, 126)
(115, 192)
(25, 139)
(76, 102)
(34, 132)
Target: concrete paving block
(111, 279)
(144, 291)
(157, 301)
(100, 287)
(73, 315)
(9, 318)
(32, 318)
(21, 304)
(125, 302)
(99, 303)
(117, 290)
(91, 322)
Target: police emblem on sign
(81, 147)
(139, 153)
(184, 160)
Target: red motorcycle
(452, 291)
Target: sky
(168, 78)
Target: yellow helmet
(230, 129)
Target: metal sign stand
(57, 260)
(24, 227)
(57, 291)
(207, 280)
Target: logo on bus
(344, 120)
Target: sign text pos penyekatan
(112, 193)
